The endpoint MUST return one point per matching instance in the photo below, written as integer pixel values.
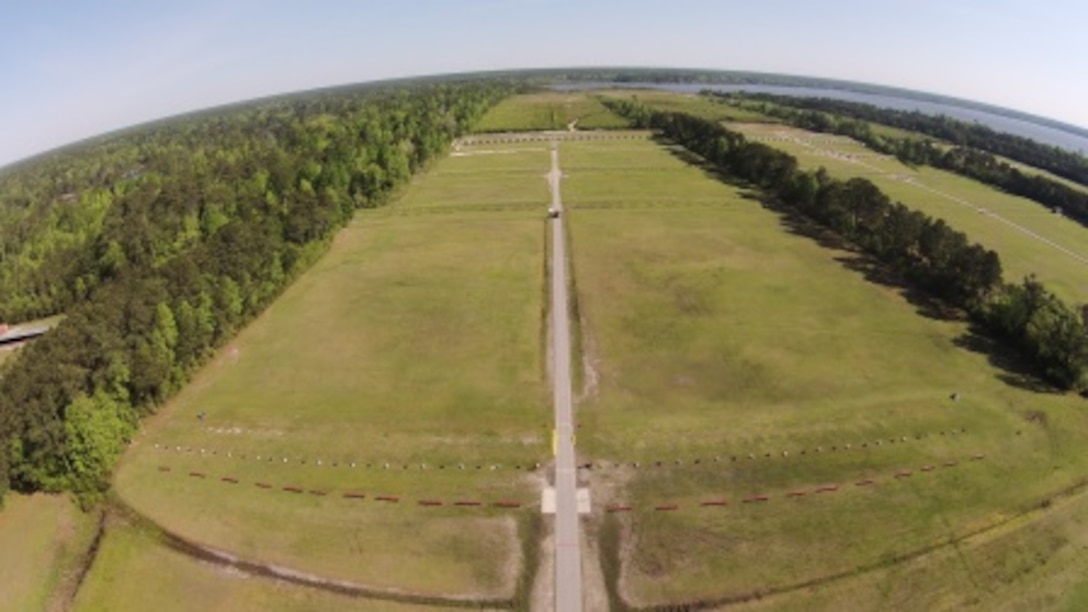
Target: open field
(1035, 564)
(43, 539)
(134, 571)
(512, 179)
(751, 361)
(1026, 169)
(1029, 238)
(605, 174)
(406, 363)
(550, 110)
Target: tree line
(972, 152)
(924, 250)
(160, 243)
(1064, 163)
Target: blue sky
(71, 69)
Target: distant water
(1001, 123)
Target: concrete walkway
(568, 552)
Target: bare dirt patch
(1036, 416)
(543, 595)
(595, 594)
(591, 362)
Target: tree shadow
(872, 269)
(1014, 370)
(692, 159)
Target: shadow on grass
(1012, 369)
(710, 170)
(869, 267)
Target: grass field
(988, 216)
(717, 332)
(134, 571)
(1036, 564)
(408, 363)
(894, 132)
(1026, 169)
(552, 110)
(43, 540)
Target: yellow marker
(572, 439)
(555, 442)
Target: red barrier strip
(904, 474)
(928, 468)
(756, 498)
(864, 483)
(384, 498)
(714, 502)
(796, 494)
(617, 508)
(827, 489)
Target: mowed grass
(407, 363)
(745, 358)
(894, 132)
(484, 176)
(620, 174)
(1032, 170)
(550, 110)
(997, 220)
(133, 571)
(43, 539)
(1040, 563)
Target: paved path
(568, 553)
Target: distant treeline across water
(1002, 123)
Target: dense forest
(919, 248)
(160, 242)
(972, 150)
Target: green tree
(97, 429)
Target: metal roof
(22, 333)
